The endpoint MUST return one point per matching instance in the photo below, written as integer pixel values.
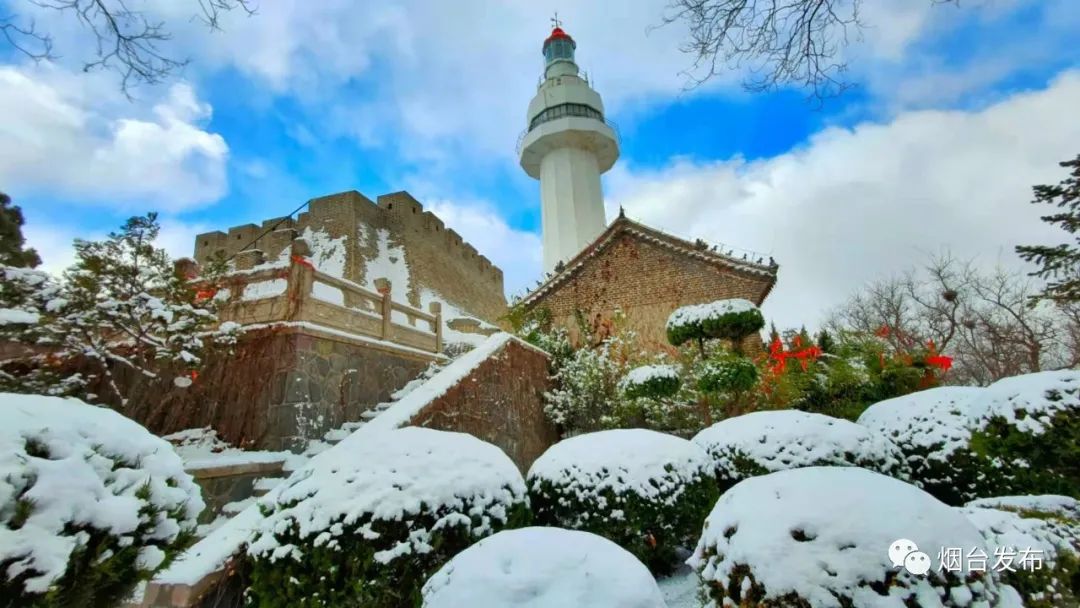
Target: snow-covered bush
(90, 503)
(543, 568)
(729, 374)
(766, 442)
(1028, 428)
(646, 491)
(587, 396)
(1047, 528)
(820, 537)
(932, 429)
(651, 382)
(367, 521)
(723, 319)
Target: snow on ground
(212, 552)
(1061, 506)
(788, 439)
(823, 533)
(201, 449)
(1028, 402)
(543, 568)
(1004, 529)
(622, 460)
(935, 419)
(264, 289)
(696, 313)
(393, 475)
(681, 588)
(83, 465)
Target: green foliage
(587, 395)
(650, 529)
(1059, 264)
(12, 249)
(103, 568)
(715, 324)
(345, 571)
(729, 374)
(654, 386)
(1016, 462)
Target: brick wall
(438, 258)
(280, 387)
(646, 281)
(501, 402)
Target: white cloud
(857, 204)
(516, 252)
(54, 241)
(73, 136)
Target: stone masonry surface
(437, 257)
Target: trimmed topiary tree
(733, 319)
(933, 431)
(646, 491)
(542, 567)
(821, 536)
(1046, 528)
(367, 521)
(731, 374)
(90, 503)
(765, 442)
(1027, 428)
(651, 382)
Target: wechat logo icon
(904, 553)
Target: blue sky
(958, 110)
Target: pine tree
(1060, 264)
(12, 252)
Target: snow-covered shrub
(1028, 428)
(723, 319)
(646, 491)
(933, 431)
(90, 503)
(729, 374)
(543, 568)
(1046, 528)
(651, 382)
(587, 396)
(766, 442)
(820, 537)
(367, 521)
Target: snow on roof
(1029, 401)
(824, 532)
(696, 313)
(543, 568)
(645, 373)
(787, 439)
(1062, 506)
(391, 475)
(935, 419)
(622, 460)
(97, 461)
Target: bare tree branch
(780, 42)
(127, 40)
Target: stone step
(264, 485)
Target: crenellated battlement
(438, 257)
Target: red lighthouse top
(556, 34)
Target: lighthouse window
(563, 110)
(559, 49)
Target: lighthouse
(567, 145)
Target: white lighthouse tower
(567, 145)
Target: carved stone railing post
(436, 310)
(383, 286)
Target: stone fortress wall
(438, 259)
